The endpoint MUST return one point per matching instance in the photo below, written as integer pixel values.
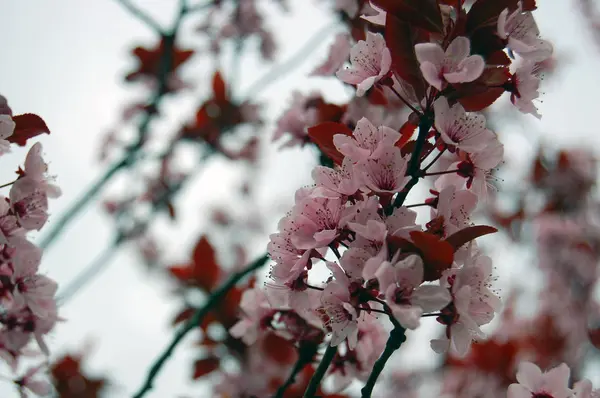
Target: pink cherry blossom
(336, 182)
(402, 222)
(475, 170)
(453, 210)
(455, 65)
(522, 35)
(256, 308)
(584, 389)
(371, 61)
(29, 381)
(526, 84)
(315, 222)
(473, 304)
(356, 364)
(533, 383)
(36, 292)
(401, 282)
(7, 127)
(459, 129)
(340, 317)
(338, 54)
(387, 173)
(367, 141)
(296, 120)
(373, 14)
(36, 168)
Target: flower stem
(311, 390)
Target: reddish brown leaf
(27, 125)
(424, 14)
(483, 92)
(529, 5)
(457, 239)
(437, 254)
(206, 270)
(279, 349)
(205, 366)
(184, 315)
(480, 100)
(322, 135)
(400, 39)
(498, 58)
(182, 272)
(219, 87)
(150, 61)
(406, 132)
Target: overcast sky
(64, 60)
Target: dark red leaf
(424, 14)
(279, 349)
(184, 315)
(529, 5)
(27, 125)
(400, 39)
(483, 92)
(457, 239)
(478, 101)
(322, 135)
(206, 269)
(498, 58)
(182, 272)
(219, 87)
(437, 254)
(409, 147)
(376, 96)
(406, 132)
(205, 366)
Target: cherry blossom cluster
(28, 309)
(351, 250)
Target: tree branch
(141, 15)
(415, 161)
(131, 154)
(397, 337)
(196, 318)
(294, 61)
(315, 380)
(305, 356)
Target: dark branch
(141, 15)
(315, 381)
(394, 342)
(195, 320)
(414, 163)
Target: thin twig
(294, 61)
(89, 273)
(131, 154)
(141, 15)
(315, 380)
(195, 320)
